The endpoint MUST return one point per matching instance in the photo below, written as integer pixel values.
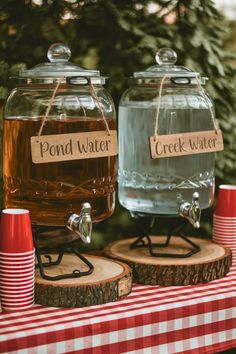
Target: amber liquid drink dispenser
(59, 99)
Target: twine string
(100, 107)
(82, 107)
(202, 91)
(49, 106)
(53, 97)
(159, 105)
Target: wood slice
(212, 262)
(110, 281)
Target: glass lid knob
(58, 52)
(166, 56)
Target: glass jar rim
(170, 80)
(69, 80)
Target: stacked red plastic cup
(16, 260)
(225, 218)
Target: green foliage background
(119, 37)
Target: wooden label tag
(186, 144)
(74, 146)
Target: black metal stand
(145, 224)
(59, 251)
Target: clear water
(157, 185)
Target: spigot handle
(191, 211)
(195, 198)
(195, 210)
(81, 224)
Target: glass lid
(60, 67)
(166, 59)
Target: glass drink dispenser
(170, 186)
(60, 99)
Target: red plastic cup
(226, 201)
(16, 232)
(16, 277)
(225, 218)
(13, 300)
(18, 255)
(225, 233)
(226, 229)
(16, 262)
(16, 270)
(17, 266)
(15, 288)
(17, 308)
(13, 285)
(224, 222)
(16, 293)
(221, 224)
(19, 302)
(223, 237)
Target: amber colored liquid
(53, 191)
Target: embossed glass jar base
(161, 202)
(55, 210)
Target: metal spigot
(191, 211)
(81, 224)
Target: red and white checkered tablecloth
(152, 319)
